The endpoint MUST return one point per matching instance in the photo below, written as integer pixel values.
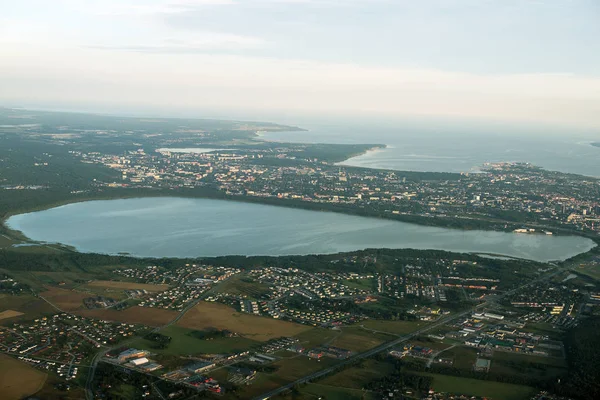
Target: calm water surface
(450, 148)
(178, 227)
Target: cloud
(201, 42)
(129, 8)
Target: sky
(535, 61)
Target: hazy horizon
(509, 61)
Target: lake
(182, 227)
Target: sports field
(18, 379)
(219, 316)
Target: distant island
(596, 144)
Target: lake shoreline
(397, 245)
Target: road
(405, 338)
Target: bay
(454, 148)
(184, 227)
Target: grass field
(357, 377)
(464, 357)
(293, 368)
(523, 364)
(184, 344)
(591, 270)
(394, 327)
(6, 242)
(17, 379)
(9, 314)
(215, 315)
(49, 392)
(317, 336)
(320, 390)
(475, 387)
(133, 315)
(127, 286)
(528, 358)
(359, 340)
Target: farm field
(476, 387)
(17, 379)
(30, 307)
(127, 286)
(67, 300)
(184, 344)
(133, 315)
(394, 327)
(9, 314)
(219, 316)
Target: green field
(240, 285)
(364, 284)
(591, 270)
(544, 368)
(464, 357)
(184, 344)
(476, 387)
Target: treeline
(583, 357)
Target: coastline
(369, 152)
